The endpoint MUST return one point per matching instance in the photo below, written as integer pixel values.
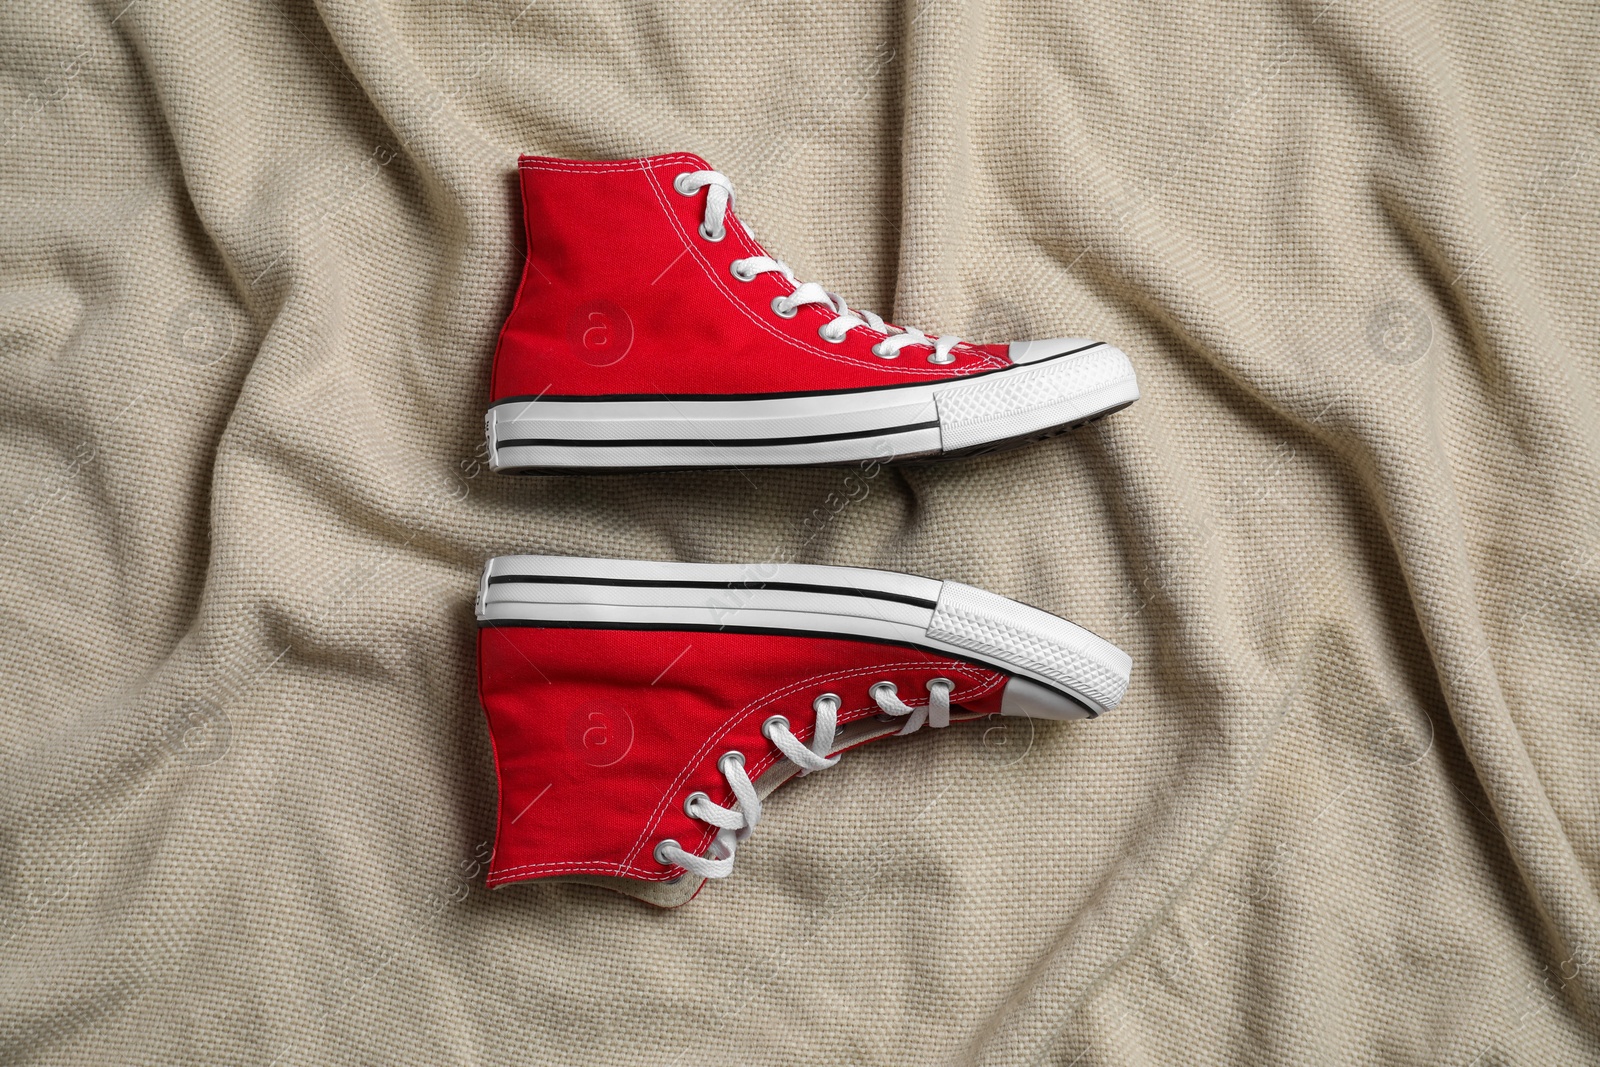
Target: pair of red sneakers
(640, 711)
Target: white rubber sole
(947, 618)
(953, 417)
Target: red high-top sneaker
(640, 711)
(652, 332)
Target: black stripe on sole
(701, 442)
(1004, 445)
(654, 583)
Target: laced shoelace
(736, 823)
(719, 197)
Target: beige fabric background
(252, 263)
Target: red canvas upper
(621, 295)
(600, 735)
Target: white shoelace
(736, 823)
(719, 198)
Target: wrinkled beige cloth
(253, 259)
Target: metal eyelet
(681, 182)
(713, 238)
(774, 721)
(947, 683)
(824, 333)
(778, 306)
(733, 754)
(884, 716)
(878, 351)
(661, 847)
(949, 357)
(816, 705)
(739, 275)
(691, 800)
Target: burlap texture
(252, 263)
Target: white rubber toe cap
(1022, 697)
(1033, 351)
(1043, 394)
